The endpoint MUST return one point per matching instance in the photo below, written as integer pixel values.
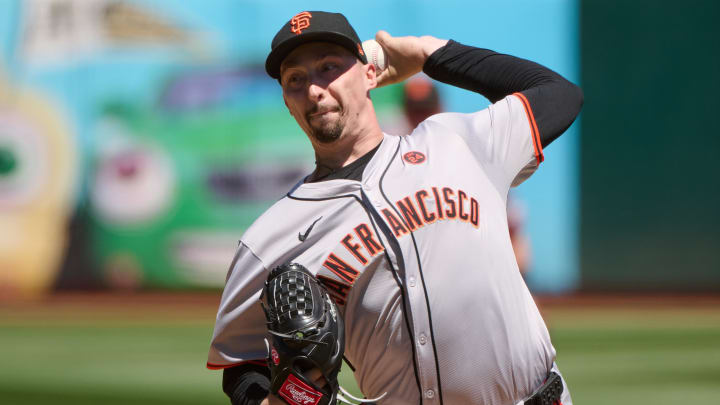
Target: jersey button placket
(424, 351)
(417, 309)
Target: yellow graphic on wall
(37, 174)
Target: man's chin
(327, 134)
(326, 138)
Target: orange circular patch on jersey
(414, 157)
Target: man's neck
(347, 149)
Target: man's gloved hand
(307, 337)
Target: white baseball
(375, 54)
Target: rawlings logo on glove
(296, 392)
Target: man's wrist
(246, 384)
(431, 44)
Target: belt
(549, 393)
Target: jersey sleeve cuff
(213, 366)
(537, 146)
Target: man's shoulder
(280, 231)
(274, 217)
(436, 128)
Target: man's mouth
(320, 112)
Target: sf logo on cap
(300, 22)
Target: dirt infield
(194, 307)
(201, 301)
(629, 300)
(176, 307)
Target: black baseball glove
(307, 333)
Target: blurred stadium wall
(650, 179)
(164, 102)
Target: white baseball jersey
(419, 259)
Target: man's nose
(315, 91)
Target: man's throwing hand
(406, 55)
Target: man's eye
(329, 66)
(293, 80)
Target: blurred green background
(148, 349)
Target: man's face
(325, 87)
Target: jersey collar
(338, 187)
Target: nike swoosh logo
(302, 237)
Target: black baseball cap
(309, 26)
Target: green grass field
(135, 350)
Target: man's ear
(371, 76)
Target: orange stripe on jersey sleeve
(212, 366)
(533, 127)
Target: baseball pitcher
(394, 251)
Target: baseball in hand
(375, 54)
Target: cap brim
(277, 55)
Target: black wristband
(247, 384)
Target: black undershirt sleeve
(246, 384)
(555, 102)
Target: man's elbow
(560, 111)
(576, 98)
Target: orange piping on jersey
(533, 128)
(212, 366)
